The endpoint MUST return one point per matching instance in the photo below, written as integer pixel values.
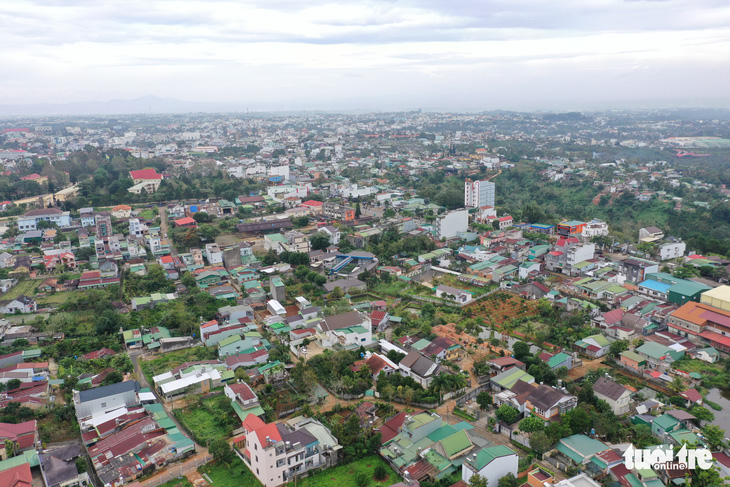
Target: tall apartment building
(478, 193)
(277, 289)
(451, 223)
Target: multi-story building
(451, 223)
(671, 248)
(278, 452)
(103, 224)
(478, 193)
(277, 289)
(297, 242)
(29, 221)
(137, 228)
(213, 254)
(595, 228)
(567, 229)
(336, 211)
(635, 270)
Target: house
(243, 400)
(633, 360)
(6, 260)
(277, 452)
(658, 355)
(376, 363)
(122, 211)
(616, 395)
(332, 232)
(580, 448)
(509, 377)
(346, 329)
(650, 234)
(345, 285)
(549, 403)
(593, 346)
(17, 476)
(691, 397)
(491, 464)
(105, 398)
(21, 304)
(560, 360)
(419, 367)
(457, 295)
(59, 469)
(145, 180)
(23, 435)
(186, 222)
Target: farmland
(25, 287)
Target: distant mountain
(145, 104)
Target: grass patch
(26, 287)
(238, 475)
(462, 414)
(344, 475)
(60, 298)
(147, 214)
(168, 361)
(713, 375)
(183, 482)
(209, 419)
(713, 405)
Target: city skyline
(280, 55)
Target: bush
(380, 472)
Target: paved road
(134, 357)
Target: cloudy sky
(432, 54)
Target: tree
(13, 384)
(202, 217)
(380, 472)
(113, 378)
(578, 420)
(540, 442)
(521, 350)
(109, 322)
(703, 414)
(532, 424)
(221, 451)
(615, 349)
(508, 480)
(714, 435)
(358, 212)
(507, 413)
(477, 480)
(677, 384)
(484, 399)
(320, 241)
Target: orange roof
(692, 312)
(121, 208)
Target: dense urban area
(358, 300)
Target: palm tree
(677, 384)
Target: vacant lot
(212, 419)
(345, 475)
(26, 288)
(500, 308)
(57, 299)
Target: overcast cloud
(452, 54)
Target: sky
(311, 54)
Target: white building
(213, 253)
(579, 253)
(672, 249)
(595, 228)
(136, 227)
(276, 308)
(491, 464)
(451, 223)
(453, 294)
(282, 171)
(30, 220)
(478, 193)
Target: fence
(177, 471)
(472, 394)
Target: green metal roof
(580, 447)
(456, 443)
(488, 455)
(665, 422)
(633, 356)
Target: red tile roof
(145, 174)
(19, 476)
(243, 390)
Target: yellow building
(717, 298)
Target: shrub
(380, 472)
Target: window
(103, 404)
